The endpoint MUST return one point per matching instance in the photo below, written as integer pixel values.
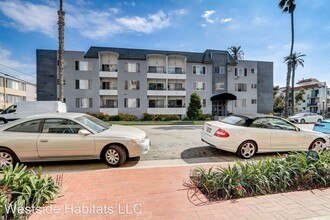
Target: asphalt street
(171, 145)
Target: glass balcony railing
(156, 69)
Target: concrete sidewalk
(165, 193)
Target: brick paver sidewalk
(160, 193)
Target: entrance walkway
(164, 193)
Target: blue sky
(258, 26)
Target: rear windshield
(234, 120)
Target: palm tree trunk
(292, 88)
(286, 104)
(61, 14)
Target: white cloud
(203, 25)
(225, 20)
(30, 17)
(95, 24)
(8, 64)
(145, 25)
(207, 14)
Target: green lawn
(157, 122)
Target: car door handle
(43, 140)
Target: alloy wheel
(112, 156)
(5, 159)
(247, 150)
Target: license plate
(208, 130)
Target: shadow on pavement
(77, 165)
(179, 127)
(206, 154)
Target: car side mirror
(83, 132)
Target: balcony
(312, 96)
(312, 104)
(156, 69)
(168, 92)
(168, 111)
(109, 91)
(109, 111)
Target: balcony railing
(175, 70)
(312, 104)
(176, 89)
(108, 88)
(109, 106)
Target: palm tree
(236, 52)
(61, 14)
(288, 6)
(294, 61)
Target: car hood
(123, 131)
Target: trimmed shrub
(147, 117)
(114, 118)
(296, 171)
(205, 117)
(100, 115)
(127, 117)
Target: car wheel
(302, 121)
(319, 120)
(317, 144)
(114, 155)
(7, 157)
(247, 149)
(3, 121)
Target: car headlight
(139, 140)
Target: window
(84, 102)
(176, 103)
(1, 82)
(240, 87)
(62, 126)
(156, 69)
(175, 87)
(109, 67)
(199, 70)
(219, 86)
(111, 85)
(29, 126)
(83, 66)
(132, 67)
(174, 70)
(109, 103)
(253, 70)
(156, 103)
(199, 86)
(219, 69)
(156, 86)
(253, 101)
(15, 98)
(245, 72)
(132, 85)
(253, 86)
(243, 102)
(132, 103)
(13, 84)
(204, 103)
(239, 72)
(83, 84)
(276, 123)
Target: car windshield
(300, 114)
(93, 123)
(234, 120)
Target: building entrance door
(218, 108)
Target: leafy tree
(194, 110)
(294, 61)
(236, 52)
(278, 100)
(288, 6)
(299, 97)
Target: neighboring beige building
(14, 90)
(316, 96)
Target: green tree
(236, 52)
(294, 61)
(194, 110)
(299, 97)
(288, 6)
(278, 100)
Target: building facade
(135, 81)
(15, 90)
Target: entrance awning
(223, 96)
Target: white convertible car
(249, 134)
(69, 136)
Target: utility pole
(61, 24)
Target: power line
(17, 70)
(25, 81)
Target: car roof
(68, 115)
(252, 116)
